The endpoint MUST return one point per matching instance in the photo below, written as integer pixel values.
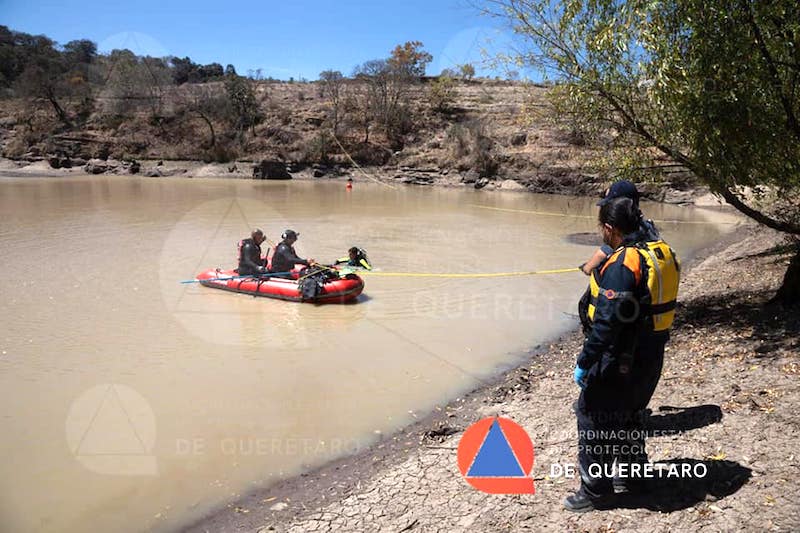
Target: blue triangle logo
(495, 458)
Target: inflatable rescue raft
(334, 289)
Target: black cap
(622, 188)
(290, 234)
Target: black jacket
(250, 261)
(622, 354)
(285, 258)
(616, 326)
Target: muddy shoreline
(392, 176)
(293, 500)
(336, 479)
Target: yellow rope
(359, 166)
(450, 275)
(545, 213)
(694, 222)
(551, 214)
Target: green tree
(44, 77)
(9, 62)
(710, 84)
(18, 50)
(134, 83)
(467, 71)
(183, 70)
(212, 71)
(243, 103)
(80, 51)
(442, 93)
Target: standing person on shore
(620, 189)
(250, 261)
(285, 258)
(632, 307)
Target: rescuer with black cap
(620, 189)
(285, 258)
(632, 306)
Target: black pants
(610, 414)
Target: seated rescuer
(355, 257)
(620, 189)
(250, 261)
(284, 258)
(632, 307)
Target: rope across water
(466, 275)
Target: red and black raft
(336, 290)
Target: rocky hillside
(488, 132)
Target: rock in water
(95, 167)
(470, 177)
(512, 185)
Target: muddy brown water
(131, 401)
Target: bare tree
(385, 95)
(333, 87)
(209, 105)
(389, 82)
(358, 105)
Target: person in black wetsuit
(285, 258)
(250, 261)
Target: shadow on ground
(668, 494)
(680, 419)
(677, 484)
(765, 328)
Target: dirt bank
(727, 399)
(394, 176)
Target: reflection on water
(108, 361)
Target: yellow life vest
(663, 277)
(363, 263)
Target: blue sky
(284, 38)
